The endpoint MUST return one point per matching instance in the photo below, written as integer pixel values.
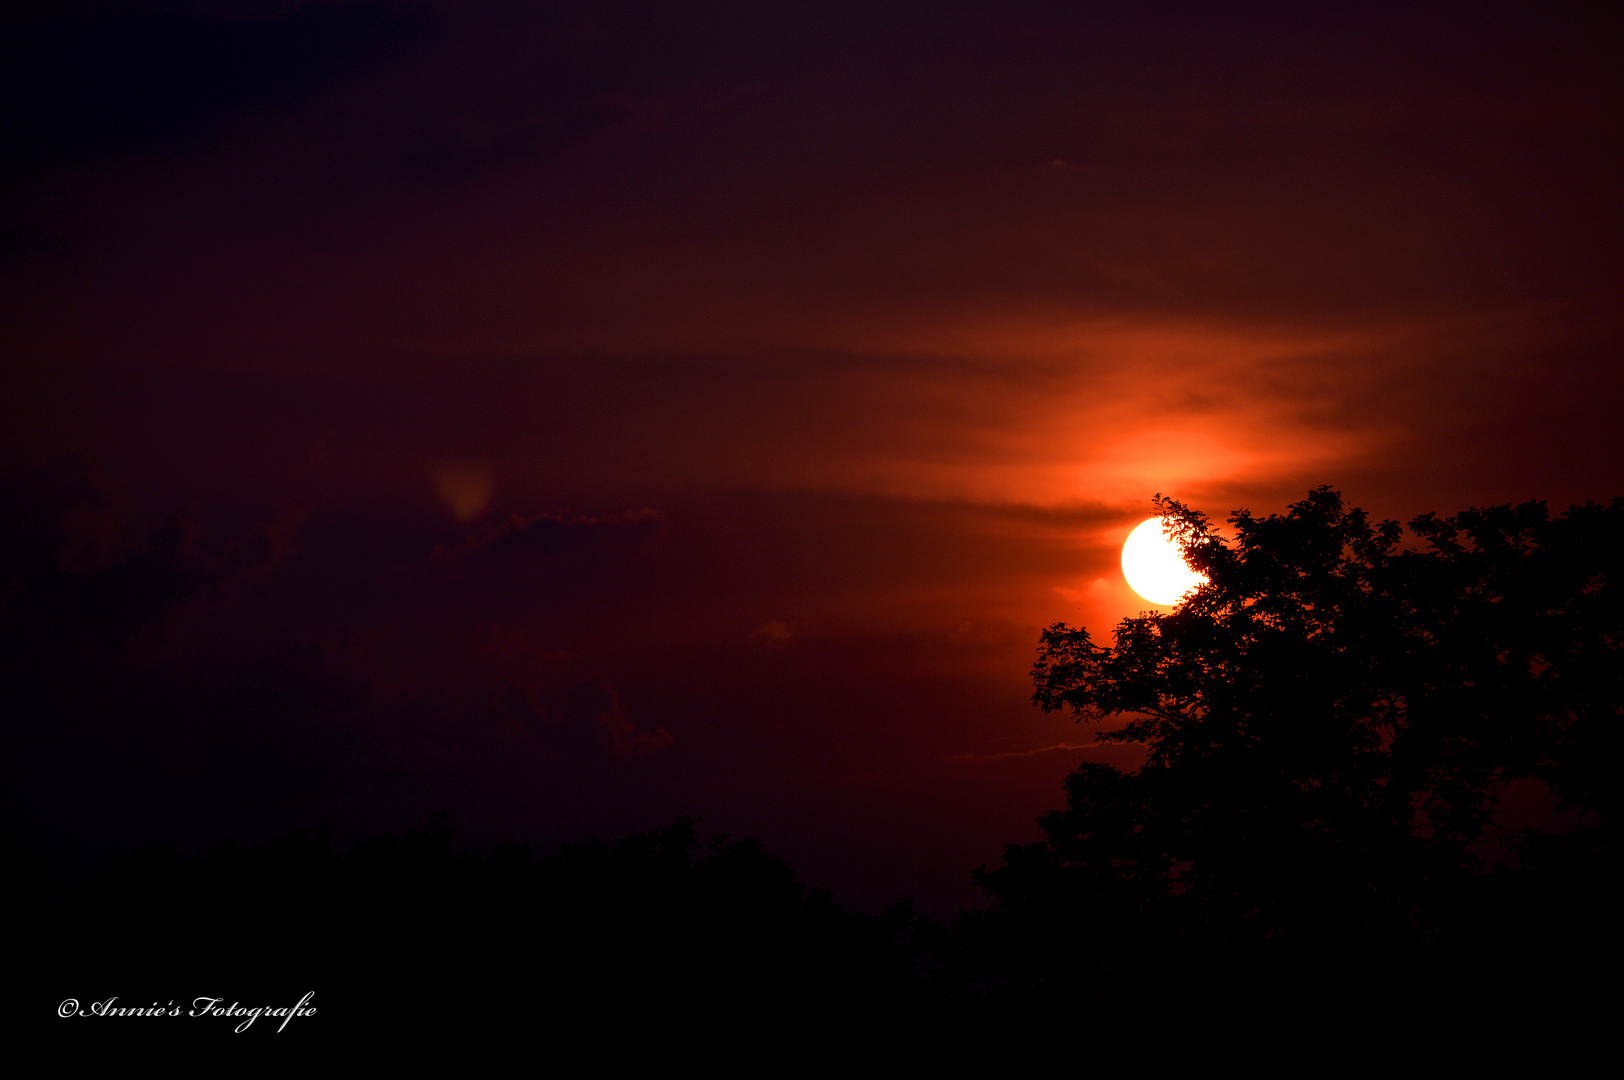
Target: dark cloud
(585, 716)
(553, 534)
(97, 85)
(450, 159)
(63, 585)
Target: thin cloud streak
(1023, 753)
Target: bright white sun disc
(1155, 566)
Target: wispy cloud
(1022, 753)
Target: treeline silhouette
(406, 938)
(1316, 842)
(1333, 724)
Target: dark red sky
(580, 414)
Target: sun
(1155, 566)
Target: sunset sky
(575, 415)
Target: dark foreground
(664, 945)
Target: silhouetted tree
(1328, 724)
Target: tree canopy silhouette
(1330, 723)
